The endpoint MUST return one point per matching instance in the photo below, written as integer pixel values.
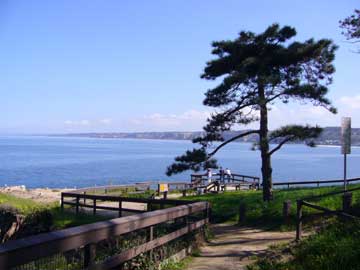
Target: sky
(124, 66)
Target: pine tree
(258, 70)
(351, 27)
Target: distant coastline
(329, 137)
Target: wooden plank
(328, 211)
(133, 252)
(126, 199)
(314, 182)
(329, 194)
(28, 249)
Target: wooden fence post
(298, 219)
(89, 254)
(151, 237)
(77, 204)
(347, 201)
(208, 211)
(286, 211)
(84, 197)
(165, 195)
(120, 208)
(94, 206)
(62, 202)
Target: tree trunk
(266, 169)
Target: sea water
(58, 162)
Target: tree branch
(280, 145)
(231, 140)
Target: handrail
(75, 202)
(314, 182)
(124, 199)
(22, 251)
(328, 194)
(326, 211)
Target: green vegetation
(60, 219)
(176, 265)
(334, 247)
(24, 206)
(66, 219)
(225, 206)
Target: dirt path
(234, 247)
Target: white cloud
(106, 121)
(299, 114)
(351, 102)
(87, 123)
(77, 123)
(189, 120)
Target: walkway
(234, 247)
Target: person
(209, 175)
(228, 174)
(221, 175)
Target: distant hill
(330, 135)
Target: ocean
(59, 162)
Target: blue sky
(78, 66)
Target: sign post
(345, 142)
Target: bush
(335, 247)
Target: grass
(335, 247)
(61, 219)
(225, 206)
(176, 265)
(25, 206)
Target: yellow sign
(163, 187)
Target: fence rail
(317, 182)
(26, 250)
(347, 200)
(78, 200)
(234, 177)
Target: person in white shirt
(228, 174)
(209, 175)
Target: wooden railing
(305, 202)
(316, 182)
(28, 251)
(82, 200)
(238, 178)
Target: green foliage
(225, 206)
(335, 247)
(24, 206)
(176, 265)
(296, 133)
(351, 26)
(50, 212)
(66, 219)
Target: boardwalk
(234, 247)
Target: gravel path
(233, 247)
